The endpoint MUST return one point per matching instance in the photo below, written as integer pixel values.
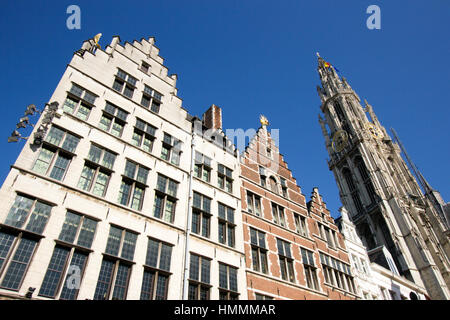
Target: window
(253, 203)
(226, 225)
(273, 184)
(300, 225)
(113, 119)
(364, 266)
(124, 83)
(225, 178)
(202, 167)
(262, 297)
(337, 273)
(171, 149)
(262, 176)
(133, 185)
(79, 230)
(201, 214)
(278, 214)
(165, 198)
(143, 135)
(116, 265)
(227, 282)
(269, 153)
(155, 282)
(199, 278)
(97, 170)
(79, 102)
(259, 251)
(284, 188)
(310, 269)
(145, 67)
(366, 179)
(151, 99)
(26, 219)
(56, 153)
(28, 212)
(286, 260)
(328, 234)
(353, 191)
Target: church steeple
(381, 195)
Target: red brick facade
(263, 153)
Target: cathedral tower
(375, 185)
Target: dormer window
(145, 67)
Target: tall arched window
(273, 184)
(353, 190)
(339, 112)
(359, 163)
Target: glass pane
(54, 272)
(39, 217)
(111, 109)
(161, 183)
(152, 253)
(142, 175)
(70, 143)
(83, 112)
(55, 136)
(157, 208)
(76, 90)
(148, 90)
(89, 97)
(87, 233)
(118, 85)
(233, 279)
(6, 241)
(129, 244)
(122, 115)
(253, 237)
(100, 184)
(169, 212)
(172, 190)
(136, 201)
(194, 267)
(78, 263)
(115, 235)
(117, 129)
(161, 288)
(137, 138)
(108, 159)
(69, 105)
(145, 101)
(104, 280)
(105, 123)
(147, 285)
(43, 161)
(16, 269)
(166, 253)
(206, 266)
(19, 211)
(195, 222)
(60, 167)
(223, 279)
(124, 193)
(130, 169)
(86, 178)
(121, 74)
(148, 144)
(155, 107)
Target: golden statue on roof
(263, 120)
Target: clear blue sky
(252, 57)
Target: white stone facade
(95, 71)
(373, 281)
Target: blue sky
(252, 57)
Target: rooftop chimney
(212, 118)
